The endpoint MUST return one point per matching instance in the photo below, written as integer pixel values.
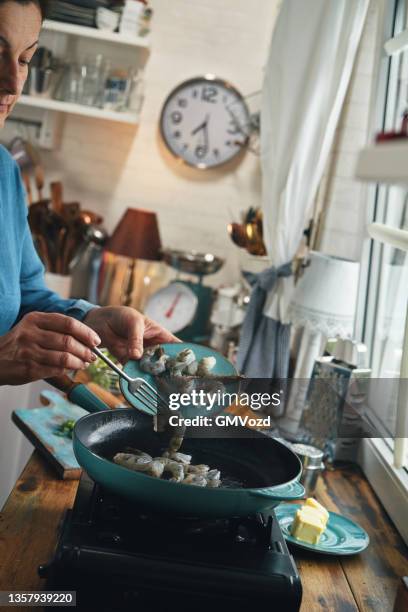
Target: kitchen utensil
(268, 470)
(37, 219)
(223, 368)
(57, 197)
(95, 396)
(71, 211)
(39, 179)
(41, 426)
(341, 537)
(27, 184)
(192, 262)
(90, 218)
(137, 387)
(43, 251)
(94, 239)
(55, 232)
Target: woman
(42, 335)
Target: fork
(138, 387)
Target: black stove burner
(117, 559)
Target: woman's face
(19, 31)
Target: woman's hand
(124, 331)
(44, 345)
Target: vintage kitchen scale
(184, 306)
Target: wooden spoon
(56, 197)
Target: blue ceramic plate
(342, 536)
(223, 367)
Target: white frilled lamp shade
(323, 306)
(325, 296)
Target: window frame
(376, 457)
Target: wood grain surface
(365, 582)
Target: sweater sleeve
(35, 296)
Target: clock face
(204, 122)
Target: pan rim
(76, 439)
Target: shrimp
(197, 469)
(194, 479)
(213, 478)
(175, 469)
(179, 457)
(147, 363)
(205, 365)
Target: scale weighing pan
(222, 367)
(192, 262)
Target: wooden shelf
(102, 35)
(384, 163)
(78, 109)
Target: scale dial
(174, 307)
(205, 122)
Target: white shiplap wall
(110, 167)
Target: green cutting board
(40, 425)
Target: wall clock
(205, 122)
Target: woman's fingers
(65, 343)
(42, 372)
(135, 338)
(155, 333)
(55, 359)
(69, 327)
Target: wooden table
(30, 518)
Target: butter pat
(310, 522)
(313, 503)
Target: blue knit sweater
(22, 286)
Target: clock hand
(206, 139)
(202, 126)
(169, 312)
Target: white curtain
(310, 62)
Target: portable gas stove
(117, 559)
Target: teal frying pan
(258, 472)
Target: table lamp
(323, 305)
(136, 237)
(325, 296)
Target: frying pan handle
(82, 396)
(78, 394)
(285, 492)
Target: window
(387, 294)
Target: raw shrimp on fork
(139, 387)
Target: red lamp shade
(136, 236)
